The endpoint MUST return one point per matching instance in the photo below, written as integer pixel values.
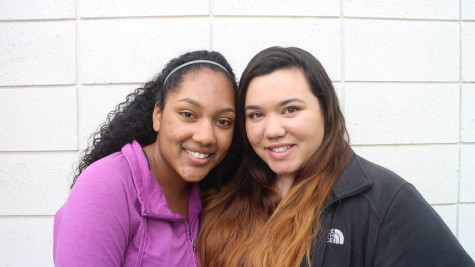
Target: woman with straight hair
(301, 196)
(136, 198)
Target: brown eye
(187, 114)
(290, 110)
(256, 115)
(224, 122)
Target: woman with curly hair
(135, 200)
(301, 196)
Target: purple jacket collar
(151, 198)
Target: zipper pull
(193, 245)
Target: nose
(274, 127)
(205, 133)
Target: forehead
(284, 83)
(205, 85)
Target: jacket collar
(150, 196)
(352, 181)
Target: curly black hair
(132, 119)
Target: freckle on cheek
(172, 128)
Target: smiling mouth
(197, 154)
(280, 149)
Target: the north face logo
(335, 236)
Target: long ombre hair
(246, 223)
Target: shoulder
(366, 188)
(409, 226)
(363, 177)
(105, 174)
(383, 186)
(108, 167)
(97, 214)
(391, 196)
(384, 182)
(379, 175)
(105, 181)
(393, 221)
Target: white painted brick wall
(34, 183)
(408, 9)
(135, 50)
(467, 173)
(468, 53)
(36, 9)
(468, 113)
(468, 9)
(390, 113)
(399, 50)
(95, 102)
(35, 53)
(38, 119)
(404, 71)
(433, 169)
(321, 37)
(26, 241)
(142, 8)
(276, 8)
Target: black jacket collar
(352, 181)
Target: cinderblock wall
(404, 71)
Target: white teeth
(197, 155)
(280, 149)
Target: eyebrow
(281, 103)
(190, 101)
(195, 103)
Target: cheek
(313, 136)
(225, 139)
(252, 133)
(170, 128)
(320, 130)
(174, 131)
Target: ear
(156, 117)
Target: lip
(194, 158)
(280, 151)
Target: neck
(283, 184)
(175, 189)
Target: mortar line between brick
(231, 16)
(345, 17)
(36, 20)
(407, 145)
(342, 60)
(457, 209)
(78, 78)
(403, 19)
(140, 84)
(25, 216)
(211, 28)
(37, 152)
(158, 17)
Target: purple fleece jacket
(117, 215)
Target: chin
(193, 179)
(283, 170)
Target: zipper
(189, 226)
(193, 244)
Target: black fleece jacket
(373, 217)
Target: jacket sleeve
(92, 228)
(413, 234)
